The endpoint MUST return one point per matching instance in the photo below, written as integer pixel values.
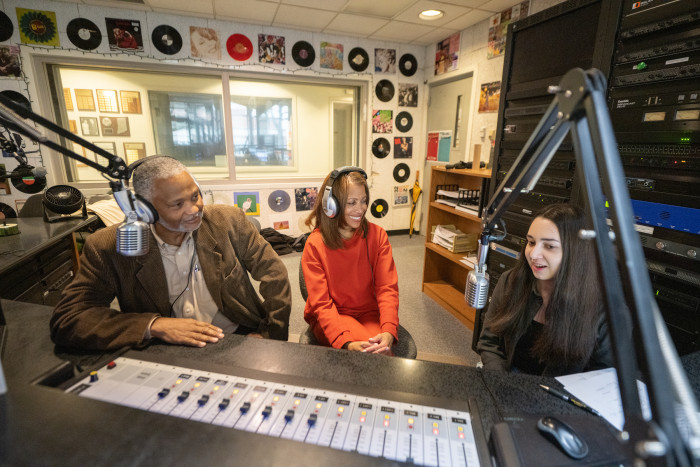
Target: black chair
(405, 347)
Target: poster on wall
(204, 43)
(305, 198)
(9, 61)
(498, 27)
(439, 145)
(248, 202)
(489, 97)
(401, 195)
(447, 54)
(433, 140)
(403, 147)
(37, 27)
(385, 60)
(331, 56)
(408, 95)
(271, 49)
(382, 121)
(124, 34)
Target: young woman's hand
(381, 343)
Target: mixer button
(224, 404)
(111, 365)
(183, 396)
(268, 410)
(312, 419)
(203, 400)
(164, 392)
(245, 407)
(289, 415)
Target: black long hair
(570, 331)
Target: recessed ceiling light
(430, 15)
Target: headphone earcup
(331, 207)
(145, 210)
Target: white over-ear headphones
(329, 203)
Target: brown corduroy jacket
(228, 247)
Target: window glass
(262, 131)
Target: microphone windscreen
(39, 172)
(132, 238)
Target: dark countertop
(43, 425)
(35, 235)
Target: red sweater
(341, 282)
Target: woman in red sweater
(349, 270)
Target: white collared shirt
(187, 291)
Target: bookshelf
(444, 275)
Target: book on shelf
(451, 238)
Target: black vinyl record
(408, 65)
(303, 53)
(279, 200)
(384, 90)
(6, 27)
(358, 59)
(7, 211)
(381, 147)
(404, 121)
(84, 34)
(166, 39)
(379, 208)
(28, 183)
(17, 98)
(401, 172)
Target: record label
(84, 34)
(381, 147)
(379, 208)
(408, 65)
(6, 27)
(239, 47)
(404, 121)
(401, 172)
(166, 39)
(6, 211)
(303, 53)
(384, 90)
(358, 59)
(279, 200)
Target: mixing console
(393, 430)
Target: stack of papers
(448, 236)
(450, 197)
(469, 260)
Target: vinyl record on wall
(84, 34)
(166, 39)
(17, 98)
(358, 59)
(239, 47)
(408, 65)
(381, 147)
(379, 208)
(7, 211)
(401, 172)
(279, 200)
(384, 90)
(303, 53)
(404, 121)
(28, 183)
(6, 27)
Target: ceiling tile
(355, 24)
(452, 12)
(434, 36)
(469, 19)
(246, 10)
(398, 31)
(304, 18)
(466, 3)
(200, 8)
(499, 5)
(331, 5)
(380, 8)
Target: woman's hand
(381, 343)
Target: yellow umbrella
(415, 194)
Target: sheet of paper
(599, 389)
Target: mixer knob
(691, 253)
(245, 407)
(289, 415)
(661, 245)
(93, 376)
(223, 405)
(312, 419)
(111, 365)
(183, 396)
(203, 400)
(268, 410)
(164, 392)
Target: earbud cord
(187, 286)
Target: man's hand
(185, 331)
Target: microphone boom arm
(579, 107)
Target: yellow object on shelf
(8, 229)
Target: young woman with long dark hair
(546, 314)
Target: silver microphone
(132, 234)
(477, 290)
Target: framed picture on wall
(73, 126)
(67, 98)
(107, 101)
(134, 152)
(84, 99)
(131, 102)
(89, 126)
(115, 126)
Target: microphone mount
(580, 107)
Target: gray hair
(154, 168)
